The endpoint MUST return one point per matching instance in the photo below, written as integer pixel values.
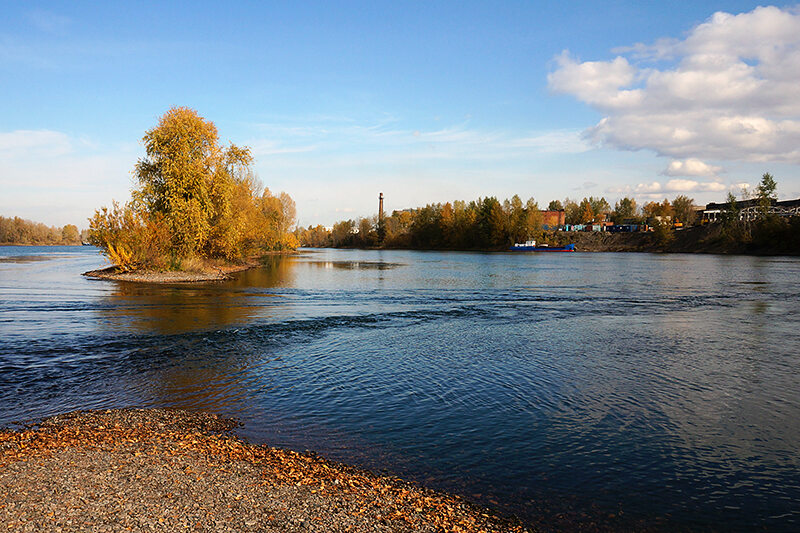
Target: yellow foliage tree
(195, 199)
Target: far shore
(707, 239)
(157, 469)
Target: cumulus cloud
(673, 186)
(656, 189)
(691, 167)
(729, 91)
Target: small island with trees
(198, 213)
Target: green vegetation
(488, 224)
(765, 192)
(19, 231)
(769, 233)
(483, 224)
(196, 202)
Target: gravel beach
(170, 470)
(172, 276)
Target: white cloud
(691, 167)
(596, 82)
(648, 188)
(729, 92)
(677, 185)
(684, 185)
(27, 143)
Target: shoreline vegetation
(487, 224)
(162, 469)
(16, 231)
(198, 208)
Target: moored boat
(530, 246)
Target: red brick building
(553, 219)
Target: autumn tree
(572, 212)
(313, 236)
(766, 192)
(448, 220)
(367, 231)
(683, 208)
(15, 230)
(194, 198)
(625, 209)
(188, 178)
(70, 234)
(655, 211)
(730, 216)
(518, 219)
(496, 223)
(600, 207)
(534, 220)
(586, 212)
(650, 211)
(342, 233)
(555, 205)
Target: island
(198, 213)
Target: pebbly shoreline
(169, 470)
(167, 276)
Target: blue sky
(427, 102)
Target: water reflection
(25, 258)
(177, 308)
(354, 265)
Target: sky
(424, 101)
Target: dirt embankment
(165, 470)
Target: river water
(625, 391)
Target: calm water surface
(621, 390)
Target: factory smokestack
(380, 206)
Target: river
(625, 391)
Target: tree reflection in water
(179, 308)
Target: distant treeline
(769, 234)
(20, 231)
(488, 224)
(485, 223)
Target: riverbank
(710, 239)
(159, 469)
